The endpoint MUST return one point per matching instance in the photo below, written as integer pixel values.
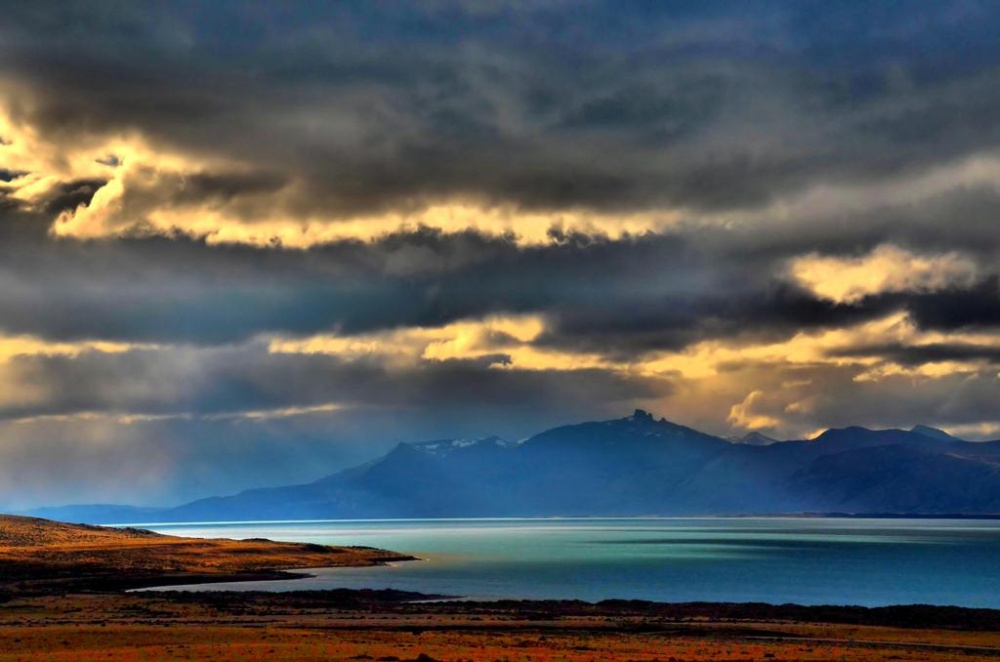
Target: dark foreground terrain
(62, 598)
(378, 625)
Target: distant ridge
(637, 465)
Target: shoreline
(18, 582)
(914, 615)
(45, 557)
(178, 585)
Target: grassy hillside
(35, 550)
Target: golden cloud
(742, 415)
(11, 346)
(885, 269)
(149, 191)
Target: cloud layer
(328, 228)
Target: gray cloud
(214, 381)
(976, 307)
(379, 106)
(728, 115)
(915, 355)
(622, 297)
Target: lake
(802, 560)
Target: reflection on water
(803, 560)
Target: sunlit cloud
(508, 343)
(150, 191)
(278, 413)
(106, 417)
(11, 346)
(133, 418)
(933, 369)
(989, 430)
(742, 415)
(885, 269)
(507, 339)
(511, 341)
(147, 200)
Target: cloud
(958, 308)
(742, 415)
(249, 379)
(885, 269)
(914, 355)
(362, 114)
(370, 222)
(796, 401)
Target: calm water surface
(801, 560)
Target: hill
(42, 554)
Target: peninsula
(39, 556)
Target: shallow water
(802, 560)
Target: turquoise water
(802, 560)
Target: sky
(253, 243)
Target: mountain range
(638, 465)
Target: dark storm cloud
(976, 307)
(761, 311)
(207, 382)
(961, 218)
(915, 355)
(598, 105)
(651, 292)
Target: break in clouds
(245, 244)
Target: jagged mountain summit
(638, 465)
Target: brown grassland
(61, 598)
(39, 555)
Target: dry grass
(18, 531)
(162, 627)
(36, 549)
(278, 643)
